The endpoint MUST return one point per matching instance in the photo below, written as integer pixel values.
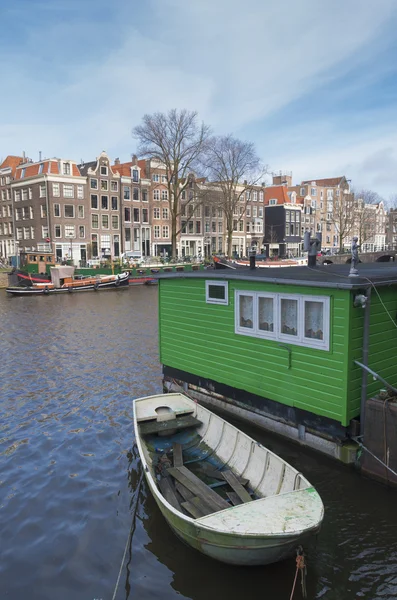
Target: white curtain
(246, 312)
(314, 319)
(289, 317)
(266, 318)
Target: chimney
(39, 155)
(23, 156)
(117, 161)
(134, 158)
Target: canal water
(70, 491)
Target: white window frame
(212, 282)
(300, 339)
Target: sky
(312, 83)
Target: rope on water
(130, 533)
(373, 455)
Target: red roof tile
(124, 169)
(330, 182)
(279, 192)
(12, 162)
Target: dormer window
(135, 175)
(66, 168)
(41, 168)
(104, 170)
(23, 173)
(272, 201)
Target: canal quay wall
(3, 279)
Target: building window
(69, 231)
(156, 178)
(94, 201)
(144, 196)
(135, 194)
(272, 201)
(157, 231)
(42, 190)
(56, 190)
(127, 214)
(57, 210)
(95, 221)
(80, 211)
(104, 202)
(166, 230)
(115, 203)
(24, 194)
(145, 215)
(115, 222)
(94, 244)
(164, 179)
(68, 191)
(81, 231)
(104, 170)
(105, 221)
(26, 233)
(41, 167)
(80, 192)
(165, 214)
(296, 319)
(156, 194)
(216, 292)
(94, 184)
(57, 230)
(104, 185)
(66, 168)
(156, 213)
(135, 175)
(114, 186)
(164, 194)
(43, 211)
(127, 193)
(198, 226)
(19, 233)
(136, 215)
(69, 211)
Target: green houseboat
(296, 350)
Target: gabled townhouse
(103, 191)
(283, 215)
(135, 190)
(7, 233)
(49, 209)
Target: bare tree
(177, 141)
(235, 168)
(341, 211)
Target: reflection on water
(69, 472)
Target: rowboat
(64, 281)
(220, 491)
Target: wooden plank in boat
(195, 485)
(163, 426)
(192, 509)
(237, 487)
(183, 491)
(177, 454)
(234, 499)
(209, 471)
(167, 489)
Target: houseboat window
(314, 320)
(266, 313)
(246, 310)
(294, 318)
(289, 316)
(216, 292)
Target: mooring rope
(130, 532)
(373, 455)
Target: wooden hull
(260, 532)
(89, 285)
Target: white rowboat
(220, 491)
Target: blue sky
(312, 83)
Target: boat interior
(203, 464)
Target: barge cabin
(298, 351)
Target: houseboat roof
(327, 276)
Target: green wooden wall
(382, 345)
(199, 338)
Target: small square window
(216, 292)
